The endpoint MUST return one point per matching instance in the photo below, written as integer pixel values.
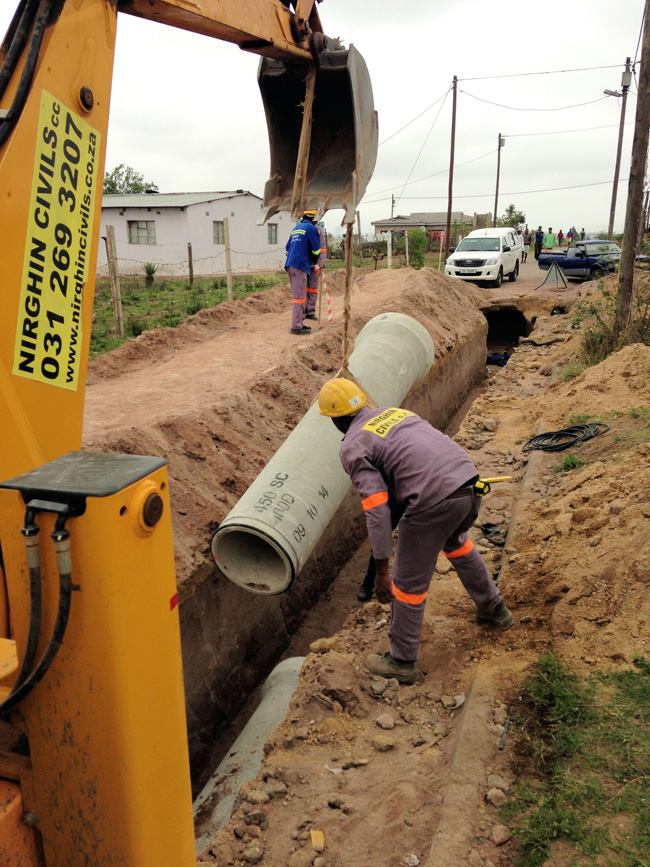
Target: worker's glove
(316, 269)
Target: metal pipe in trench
(265, 540)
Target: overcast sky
(186, 110)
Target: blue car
(586, 260)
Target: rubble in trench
(366, 771)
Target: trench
(328, 611)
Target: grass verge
(583, 748)
(165, 302)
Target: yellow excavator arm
(90, 664)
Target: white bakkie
(486, 256)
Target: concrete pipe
(266, 539)
(216, 802)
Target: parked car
(586, 260)
(486, 256)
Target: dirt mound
(161, 343)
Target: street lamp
(626, 81)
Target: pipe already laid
(244, 758)
(266, 539)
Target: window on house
(142, 231)
(273, 233)
(217, 232)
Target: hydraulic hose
(61, 539)
(20, 98)
(18, 42)
(32, 552)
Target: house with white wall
(157, 228)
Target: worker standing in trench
(393, 449)
(303, 250)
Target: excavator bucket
(344, 132)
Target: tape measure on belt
(483, 486)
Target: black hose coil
(558, 440)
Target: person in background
(560, 238)
(520, 238)
(539, 241)
(549, 240)
(527, 237)
(582, 234)
(303, 251)
(569, 237)
(392, 449)
(314, 276)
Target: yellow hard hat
(310, 214)
(340, 397)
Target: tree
(512, 217)
(123, 179)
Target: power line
(435, 174)
(562, 131)
(516, 193)
(511, 75)
(423, 145)
(545, 72)
(636, 53)
(444, 96)
(513, 108)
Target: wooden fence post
(226, 240)
(189, 258)
(116, 293)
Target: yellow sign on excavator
(57, 247)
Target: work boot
(304, 330)
(364, 594)
(386, 666)
(501, 616)
(311, 316)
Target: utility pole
(496, 195)
(636, 182)
(392, 206)
(626, 81)
(454, 86)
(113, 273)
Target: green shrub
(134, 327)
(602, 334)
(417, 248)
(570, 462)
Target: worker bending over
(393, 449)
(303, 250)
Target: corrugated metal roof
(425, 218)
(169, 200)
